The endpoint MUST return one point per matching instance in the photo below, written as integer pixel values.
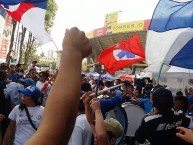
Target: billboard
(89, 35)
(111, 19)
(146, 24)
(100, 32)
(6, 36)
(128, 26)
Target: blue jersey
(147, 104)
(109, 104)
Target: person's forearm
(65, 100)
(100, 128)
(90, 117)
(7, 137)
(99, 125)
(89, 114)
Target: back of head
(81, 107)
(86, 87)
(101, 83)
(2, 75)
(179, 93)
(45, 74)
(18, 65)
(181, 103)
(162, 100)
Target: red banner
(6, 36)
(100, 32)
(146, 24)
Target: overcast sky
(88, 15)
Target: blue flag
(170, 35)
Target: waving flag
(133, 45)
(170, 35)
(117, 57)
(31, 14)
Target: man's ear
(113, 141)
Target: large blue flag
(31, 14)
(170, 36)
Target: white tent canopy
(173, 72)
(175, 78)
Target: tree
(29, 48)
(50, 14)
(11, 42)
(21, 44)
(49, 21)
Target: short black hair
(83, 75)
(101, 83)
(139, 89)
(3, 75)
(126, 83)
(18, 65)
(119, 80)
(86, 87)
(183, 102)
(45, 73)
(81, 106)
(162, 100)
(179, 93)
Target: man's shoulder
(81, 120)
(152, 117)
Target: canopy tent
(175, 78)
(173, 72)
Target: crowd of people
(37, 109)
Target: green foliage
(46, 63)
(34, 57)
(50, 14)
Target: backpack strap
(29, 118)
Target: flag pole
(55, 45)
(159, 74)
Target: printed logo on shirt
(161, 127)
(20, 115)
(169, 126)
(38, 117)
(25, 122)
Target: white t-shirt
(40, 85)
(24, 130)
(82, 133)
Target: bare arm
(100, 128)
(9, 132)
(88, 110)
(61, 108)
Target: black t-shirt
(159, 130)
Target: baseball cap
(31, 91)
(28, 81)
(113, 126)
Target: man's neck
(79, 113)
(43, 81)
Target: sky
(88, 15)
